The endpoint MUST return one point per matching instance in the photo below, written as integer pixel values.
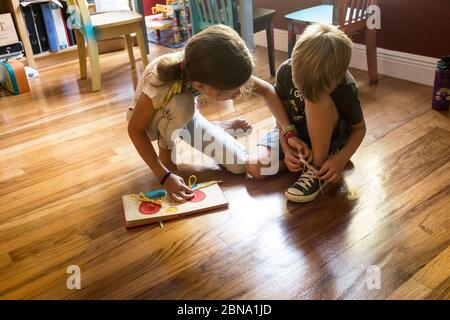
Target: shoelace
(306, 178)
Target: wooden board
(208, 198)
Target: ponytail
(168, 68)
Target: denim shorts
(339, 138)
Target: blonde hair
(216, 56)
(320, 60)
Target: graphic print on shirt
(297, 105)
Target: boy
(322, 124)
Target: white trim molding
(280, 39)
(401, 65)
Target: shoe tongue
(308, 175)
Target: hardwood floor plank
(429, 282)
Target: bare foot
(239, 125)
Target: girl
(215, 62)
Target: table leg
(291, 38)
(139, 7)
(246, 19)
(270, 47)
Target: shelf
(50, 53)
(49, 58)
(14, 9)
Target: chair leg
(95, 66)
(271, 47)
(142, 44)
(371, 50)
(291, 38)
(81, 48)
(130, 50)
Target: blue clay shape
(156, 194)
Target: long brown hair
(217, 56)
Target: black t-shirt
(345, 97)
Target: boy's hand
(177, 190)
(291, 159)
(301, 147)
(331, 170)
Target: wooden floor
(66, 160)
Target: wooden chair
(205, 13)
(350, 15)
(105, 26)
(263, 20)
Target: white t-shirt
(151, 85)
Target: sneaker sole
(300, 199)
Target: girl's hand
(177, 190)
(331, 170)
(301, 147)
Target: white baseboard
(280, 39)
(401, 65)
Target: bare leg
(321, 118)
(217, 144)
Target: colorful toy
(155, 206)
(168, 25)
(165, 10)
(13, 77)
